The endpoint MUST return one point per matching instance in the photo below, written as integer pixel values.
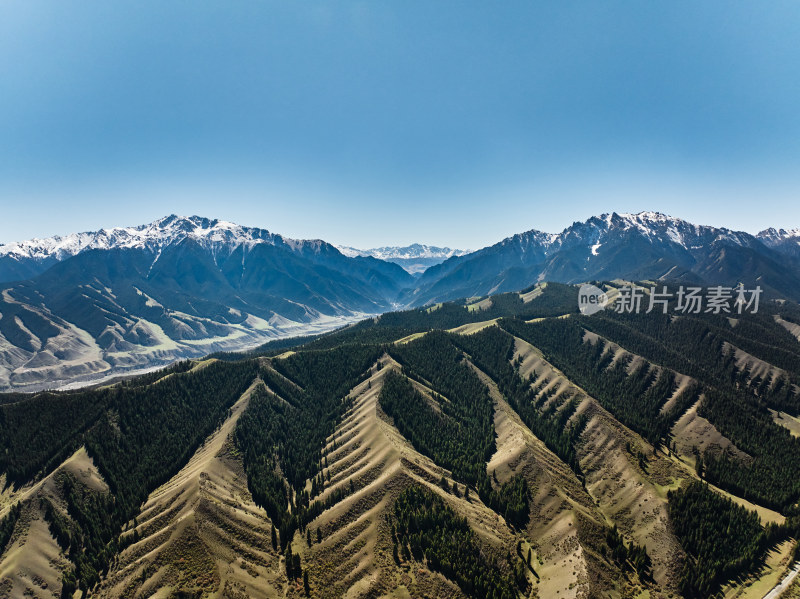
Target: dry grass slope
(33, 562)
(622, 492)
(201, 532)
(565, 529)
(354, 558)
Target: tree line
(459, 434)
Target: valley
(84, 307)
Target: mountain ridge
(647, 245)
(94, 304)
(178, 288)
(509, 447)
(214, 232)
(154, 236)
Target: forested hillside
(503, 446)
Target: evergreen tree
(289, 562)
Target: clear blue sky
(372, 123)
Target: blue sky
(374, 123)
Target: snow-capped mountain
(95, 303)
(36, 255)
(654, 226)
(647, 245)
(415, 258)
(773, 235)
(782, 240)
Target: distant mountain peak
(778, 234)
(415, 250)
(646, 244)
(648, 216)
(415, 258)
(655, 225)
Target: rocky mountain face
(648, 245)
(781, 240)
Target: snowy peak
(654, 226)
(529, 243)
(645, 245)
(775, 236)
(208, 233)
(532, 237)
(651, 225)
(154, 236)
(351, 252)
(783, 241)
(597, 230)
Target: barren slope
(355, 556)
(201, 531)
(33, 562)
(622, 491)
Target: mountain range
(644, 246)
(179, 287)
(415, 258)
(93, 304)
